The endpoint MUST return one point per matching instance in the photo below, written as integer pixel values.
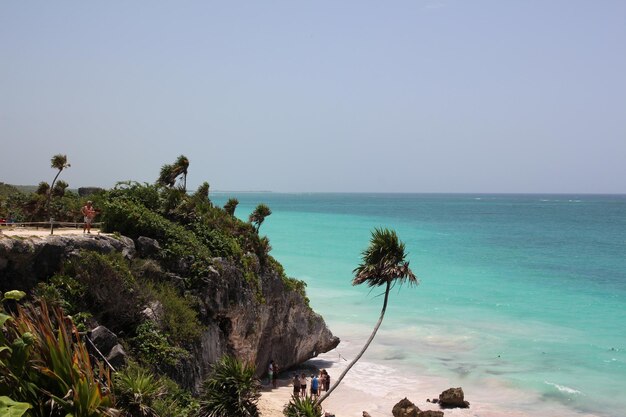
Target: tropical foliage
(230, 390)
(302, 407)
(58, 162)
(257, 217)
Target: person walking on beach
(296, 385)
(88, 213)
(303, 385)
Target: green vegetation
(302, 407)
(151, 303)
(383, 263)
(230, 390)
(43, 358)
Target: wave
(563, 388)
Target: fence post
(51, 225)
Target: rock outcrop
(255, 321)
(453, 398)
(405, 408)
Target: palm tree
(58, 162)
(231, 205)
(383, 263)
(181, 166)
(59, 188)
(169, 173)
(258, 215)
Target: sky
(318, 96)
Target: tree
(57, 162)
(59, 188)
(43, 188)
(231, 205)
(383, 263)
(257, 217)
(169, 173)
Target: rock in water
(453, 398)
(405, 408)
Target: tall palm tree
(383, 263)
(59, 162)
(258, 215)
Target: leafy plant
(230, 390)
(154, 349)
(257, 217)
(44, 362)
(302, 407)
(136, 390)
(179, 321)
(10, 408)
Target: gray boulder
(147, 247)
(103, 339)
(117, 357)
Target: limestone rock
(103, 339)
(117, 357)
(147, 247)
(453, 398)
(405, 408)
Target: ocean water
(517, 293)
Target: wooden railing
(53, 224)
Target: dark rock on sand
(405, 408)
(430, 413)
(453, 398)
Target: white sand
(377, 388)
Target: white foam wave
(563, 388)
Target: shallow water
(518, 293)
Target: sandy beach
(42, 232)
(384, 386)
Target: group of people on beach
(319, 383)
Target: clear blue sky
(414, 96)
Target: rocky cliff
(255, 321)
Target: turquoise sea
(526, 292)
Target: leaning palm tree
(258, 215)
(169, 173)
(231, 205)
(58, 162)
(181, 166)
(383, 264)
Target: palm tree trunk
(345, 371)
(50, 192)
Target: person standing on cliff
(88, 213)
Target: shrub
(230, 390)
(136, 390)
(179, 321)
(302, 407)
(154, 349)
(106, 288)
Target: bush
(302, 407)
(107, 289)
(230, 390)
(136, 390)
(154, 349)
(179, 321)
